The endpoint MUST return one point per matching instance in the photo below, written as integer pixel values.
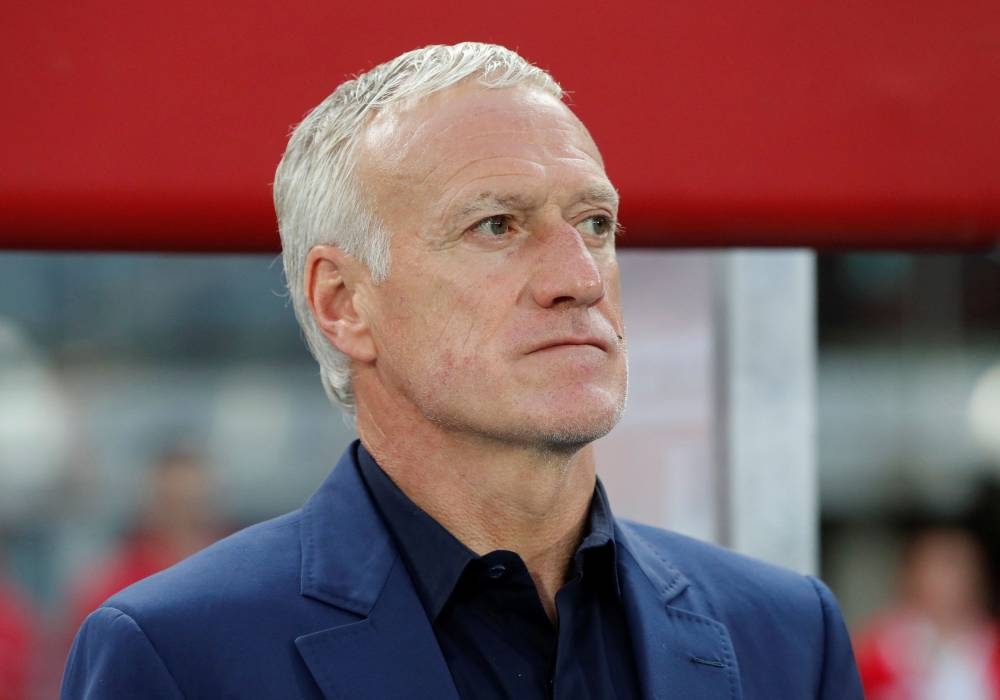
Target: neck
(493, 495)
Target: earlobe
(334, 282)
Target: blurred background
(153, 403)
(811, 196)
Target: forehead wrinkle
(476, 161)
(551, 139)
(533, 167)
(546, 151)
(550, 147)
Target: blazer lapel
(680, 654)
(391, 654)
(348, 560)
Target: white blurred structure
(718, 440)
(35, 428)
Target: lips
(595, 341)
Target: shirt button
(496, 571)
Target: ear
(334, 283)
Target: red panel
(145, 126)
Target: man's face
(501, 315)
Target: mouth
(572, 342)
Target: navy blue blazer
(318, 604)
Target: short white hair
(316, 196)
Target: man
(448, 233)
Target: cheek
(450, 324)
(477, 304)
(431, 333)
(454, 379)
(450, 368)
(464, 336)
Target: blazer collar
(348, 560)
(680, 650)
(347, 553)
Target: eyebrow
(487, 202)
(604, 193)
(492, 201)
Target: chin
(565, 419)
(572, 424)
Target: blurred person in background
(17, 642)
(177, 517)
(939, 641)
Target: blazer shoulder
(219, 624)
(259, 561)
(726, 585)
(722, 570)
(770, 612)
(113, 658)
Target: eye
(498, 225)
(598, 225)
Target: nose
(566, 272)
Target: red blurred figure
(940, 641)
(177, 519)
(16, 643)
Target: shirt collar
(436, 559)
(597, 555)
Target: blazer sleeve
(112, 658)
(839, 680)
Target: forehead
(469, 136)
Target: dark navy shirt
(489, 622)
